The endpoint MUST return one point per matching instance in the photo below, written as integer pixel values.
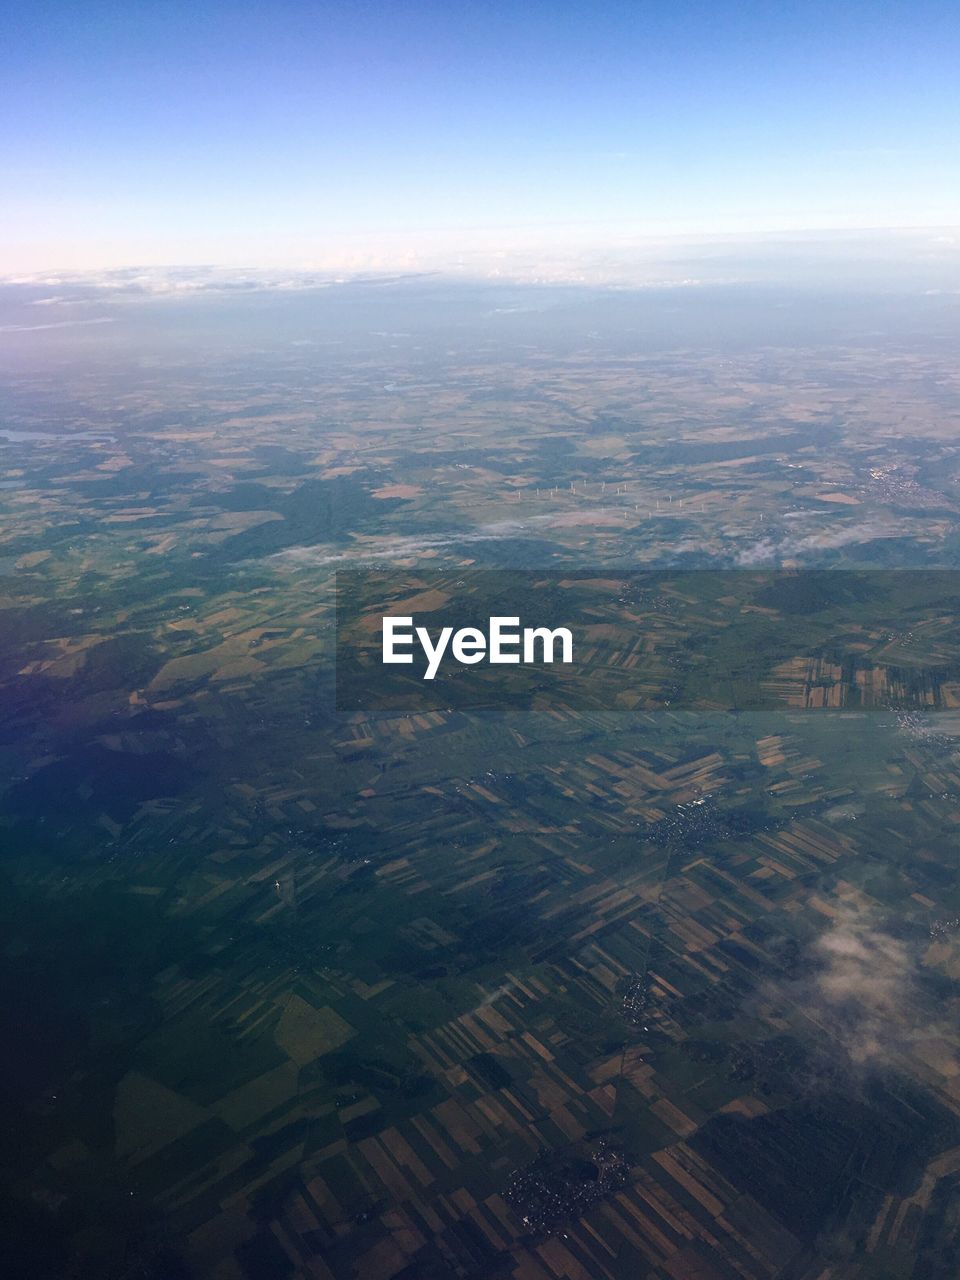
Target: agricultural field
(642, 984)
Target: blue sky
(383, 133)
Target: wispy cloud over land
(56, 324)
(770, 551)
(864, 987)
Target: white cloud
(56, 324)
(773, 551)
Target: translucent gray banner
(415, 641)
